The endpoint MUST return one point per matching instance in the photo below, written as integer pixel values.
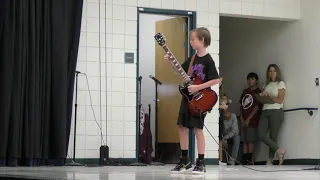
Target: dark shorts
(249, 135)
(188, 121)
(185, 119)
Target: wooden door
(169, 97)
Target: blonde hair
(278, 77)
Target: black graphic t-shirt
(204, 67)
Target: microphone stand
(73, 163)
(140, 106)
(155, 163)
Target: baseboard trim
(211, 161)
(112, 161)
(293, 162)
(208, 161)
(215, 161)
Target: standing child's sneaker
(222, 163)
(200, 168)
(232, 161)
(269, 162)
(182, 166)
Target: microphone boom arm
(155, 79)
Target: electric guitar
(199, 102)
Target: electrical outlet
(317, 81)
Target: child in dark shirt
(204, 67)
(250, 108)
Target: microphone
(229, 102)
(155, 79)
(78, 72)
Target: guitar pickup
(199, 97)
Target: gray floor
(157, 173)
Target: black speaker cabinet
(104, 156)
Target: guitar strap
(191, 63)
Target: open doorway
(158, 81)
(248, 45)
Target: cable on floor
(258, 170)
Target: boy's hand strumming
(193, 88)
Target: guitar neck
(176, 65)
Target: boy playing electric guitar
(204, 67)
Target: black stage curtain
(38, 53)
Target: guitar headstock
(161, 40)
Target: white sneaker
(269, 162)
(222, 163)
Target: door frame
(191, 25)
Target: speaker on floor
(104, 156)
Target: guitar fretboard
(177, 65)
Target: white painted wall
(147, 62)
(250, 45)
(261, 9)
(113, 83)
